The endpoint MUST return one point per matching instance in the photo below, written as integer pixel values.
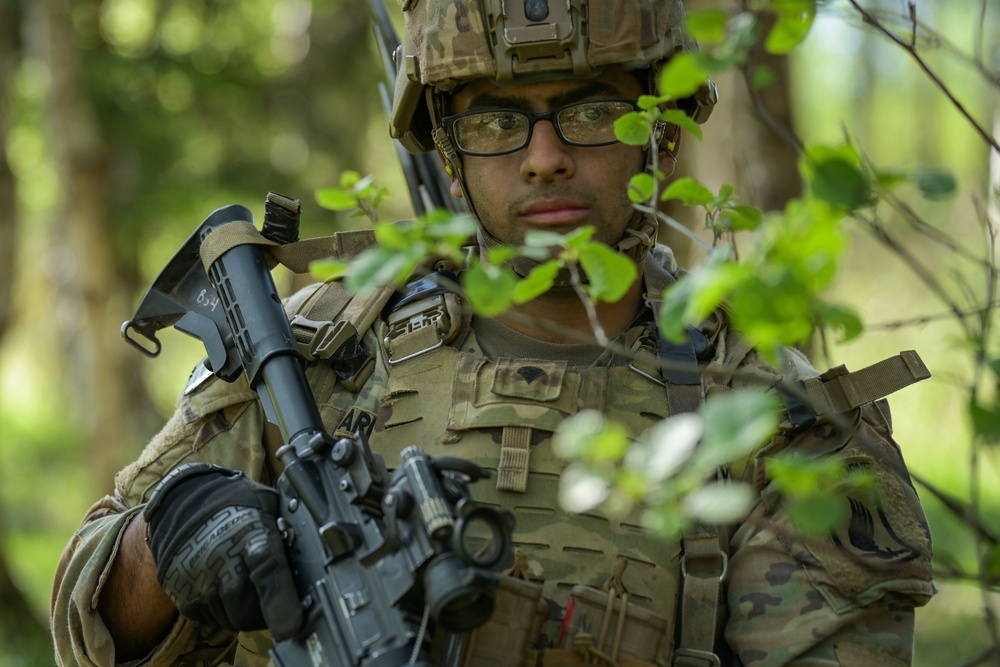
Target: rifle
(376, 557)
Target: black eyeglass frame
(448, 123)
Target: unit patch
(356, 421)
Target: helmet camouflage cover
(448, 42)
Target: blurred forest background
(126, 122)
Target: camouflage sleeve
(219, 423)
(843, 599)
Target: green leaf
(689, 191)
(840, 318)
(328, 269)
(761, 77)
(348, 178)
(394, 236)
(688, 301)
(641, 188)
(682, 120)
(610, 274)
(708, 26)
(840, 184)
(579, 237)
(589, 436)
(489, 288)
(736, 423)
(457, 228)
(500, 254)
(376, 266)
(336, 199)
(985, 421)
(649, 102)
(726, 193)
(817, 514)
(538, 281)
(634, 129)
(792, 26)
(743, 218)
(682, 76)
(934, 184)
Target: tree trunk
(86, 288)
(23, 635)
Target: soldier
(520, 101)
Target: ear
(456, 189)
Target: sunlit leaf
(336, 199)
(328, 269)
(590, 437)
(736, 423)
(349, 178)
(666, 447)
(719, 503)
(581, 489)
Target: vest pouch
(507, 639)
(630, 641)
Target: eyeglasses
(501, 131)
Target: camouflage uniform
(845, 600)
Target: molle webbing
(837, 390)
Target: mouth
(554, 211)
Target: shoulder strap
(702, 607)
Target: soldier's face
(550, 185)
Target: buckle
(410, 323)
(724, 557)
(691, 657)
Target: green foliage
(813, 490)
(355, 192)
(662, 475)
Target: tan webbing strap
(295, 256)
(704, 566)
(838, 391)
(515, 450)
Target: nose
(546, 158)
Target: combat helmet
(450, 42)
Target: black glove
(218, 552)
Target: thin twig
(871, 20)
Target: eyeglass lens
(499, 131)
